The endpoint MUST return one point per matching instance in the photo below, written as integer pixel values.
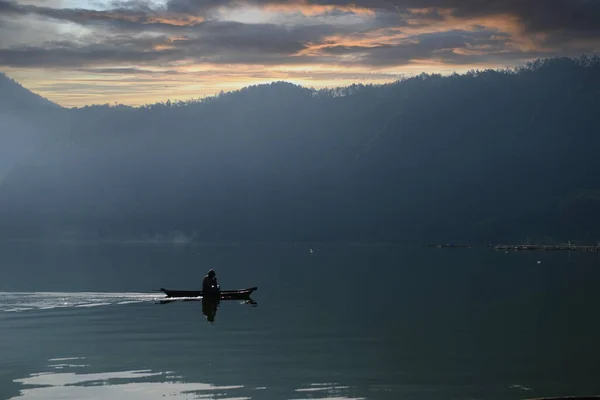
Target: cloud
(129, 71)
(454, 47)
(114, 49)
(211, 42)
(231, 38)
(124, 18)
(536, 16)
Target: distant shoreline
(525, 247)
(546, 247)
(314, 245)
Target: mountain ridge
(488, 156)
(14, 96)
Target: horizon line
(405, 77)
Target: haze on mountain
(24, 122)
(488, 156)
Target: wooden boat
(240, 294)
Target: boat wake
(32, 301)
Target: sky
(78, 52)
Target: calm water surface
(346, 322)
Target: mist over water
(332, 321)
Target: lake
(80, 321)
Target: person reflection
(209, 308)
(210, 304)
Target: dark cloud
(535, 15)
(62, 57)
(214, 42)
(265, 38)
(112, 50)
(194, 6)
(8, 7)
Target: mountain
(483, 157)
(14, 97)
(24, 121)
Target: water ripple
(136, 384)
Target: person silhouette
(210, 286)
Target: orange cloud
(169, 43)
(509, 24)
(309, 10)
(176, 20)
(513, 34)
(372, 39)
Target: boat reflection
(209, 305)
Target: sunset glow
(80, 52)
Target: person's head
(211, 273)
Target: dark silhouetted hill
(27, 120)
(483, 157)
(14, 97)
